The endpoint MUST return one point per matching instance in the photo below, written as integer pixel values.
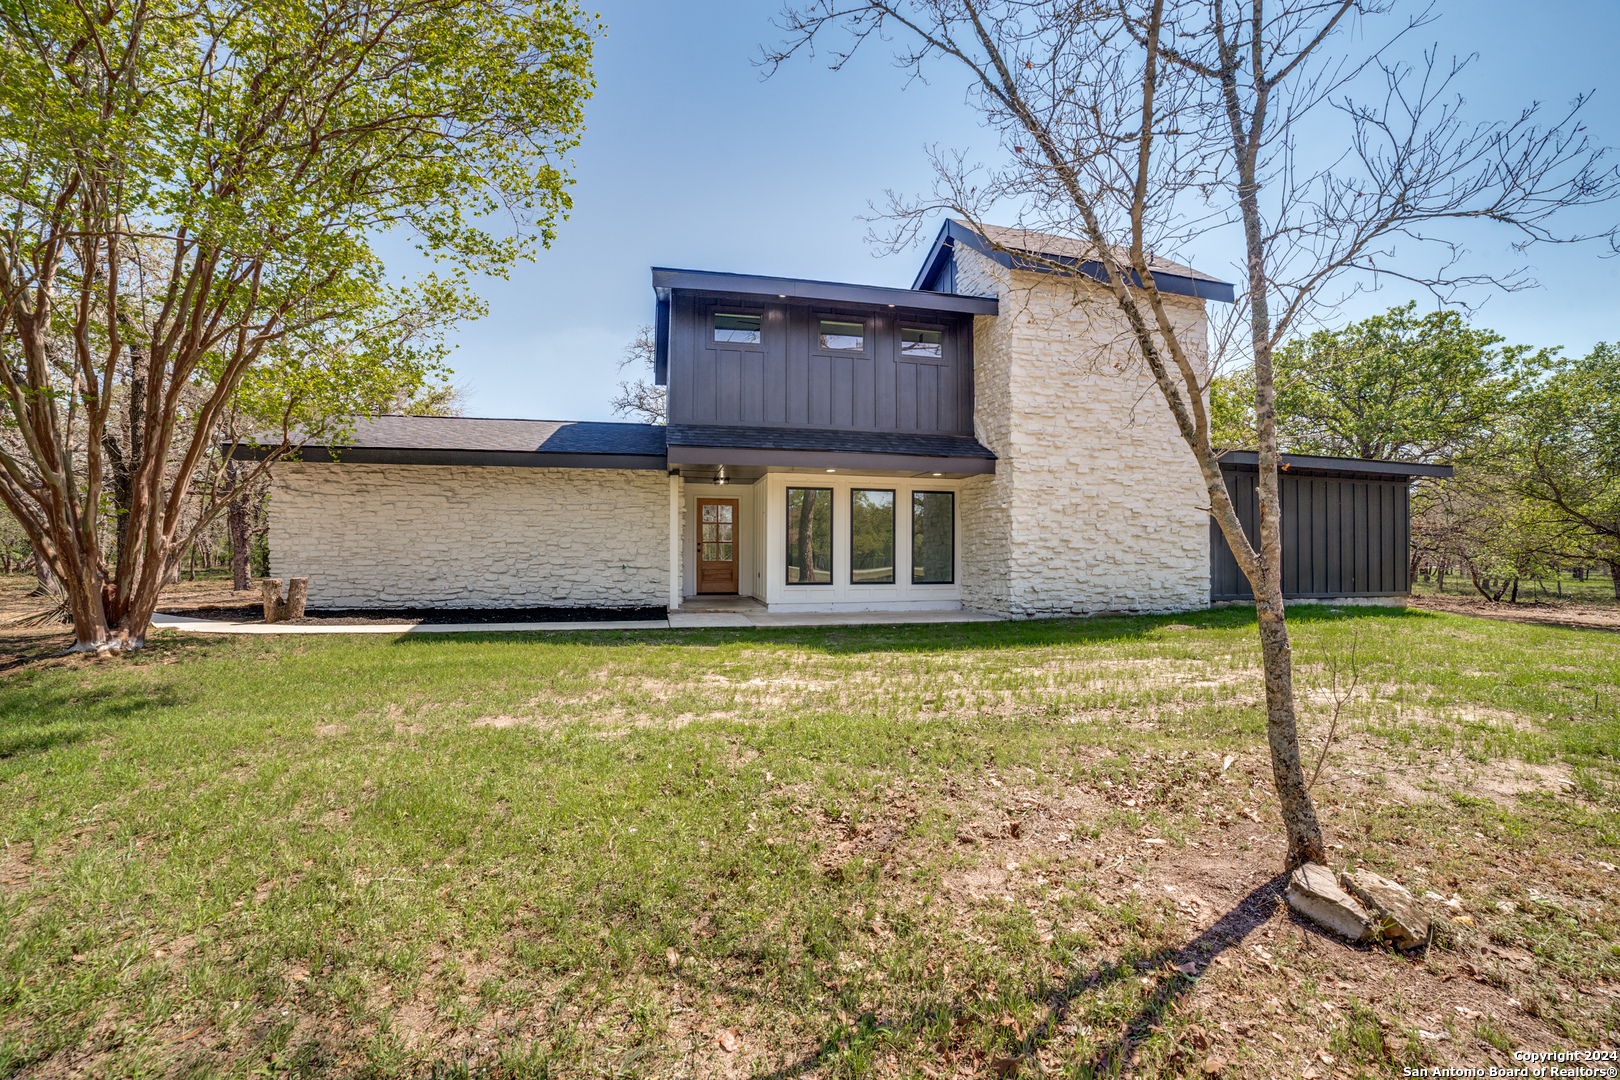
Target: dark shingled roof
(566, 444)
(469, 440)
(1044, 249)
(845, 442)
(522, 436)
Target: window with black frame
(840, 336)
(871, 537)
(732, 329)
(917, 344)
(809, 536)
(933, 537)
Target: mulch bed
(431, 616)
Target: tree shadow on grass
(38, 718)
(1114, 1058)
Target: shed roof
(1312, 463)
(998, 241)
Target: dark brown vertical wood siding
(1341, 536)
(788, 381)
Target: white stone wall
(1095, 503)
(389, 536)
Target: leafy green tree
(191, 192)
(1397, 386)
(1479, 523)
(1566, 454)
(1231, 410)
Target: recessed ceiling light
(781, 296)
(832, 470)
(939, 474)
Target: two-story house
(985, 439)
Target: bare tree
(640, 397)
(1134, 127)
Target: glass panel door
(717, 546)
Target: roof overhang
(666, 279)
(821, 449)
(1311, 463)
(761, 457)
(952, 233)
(511, 459)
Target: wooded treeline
(1534, 436)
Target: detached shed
(1345, 528)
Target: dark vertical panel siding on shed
(1341, 536)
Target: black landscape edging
(432, 616)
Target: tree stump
(278, 610)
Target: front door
(717, 546)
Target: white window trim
(841, 595)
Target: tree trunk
(1614, 575)
(1305, 842)
(45, 581)
(118, 488)
(804, 539)
(236, 522)
(278, 610)
(297, 596)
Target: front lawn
(918, 851)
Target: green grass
(591, 853)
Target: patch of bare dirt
(1571, 614)
(1374, 770)
(16, 868)
(504, 720)
(27, 646)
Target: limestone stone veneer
(390, 536)
(1096, 501)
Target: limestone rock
(1313, 892)
(1398, 918)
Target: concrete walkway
(677, 620)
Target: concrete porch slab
(869, 618)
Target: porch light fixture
(720, 481)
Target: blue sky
(692, 160)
